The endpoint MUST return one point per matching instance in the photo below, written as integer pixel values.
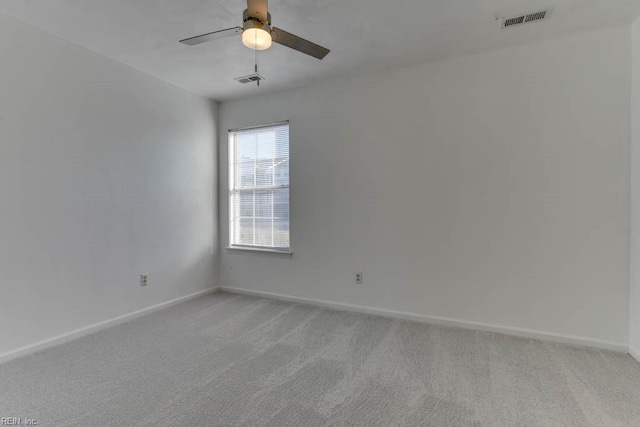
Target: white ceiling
(362, 34)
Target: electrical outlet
(358, 278)
(144, 280)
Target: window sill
(257, 250)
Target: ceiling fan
(258, 34)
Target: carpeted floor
(227, 360)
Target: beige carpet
(230, 360)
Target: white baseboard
(477, 326)
(634, 353)
(78, 333)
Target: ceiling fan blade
(191, 41)
(298, 43)
(258, 9)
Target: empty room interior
(320, 213)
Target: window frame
(234, 192)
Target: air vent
(250, 78)
(535, 16)
(526, 18)
(513, 21)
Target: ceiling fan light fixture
(256, 35)
(256, 38)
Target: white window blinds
(259, 187)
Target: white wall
(634, 317)
(105, 173)
(491, 188)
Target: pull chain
(256, 57)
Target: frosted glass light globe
(256, 38)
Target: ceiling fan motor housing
(251, 21)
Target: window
(259, 187)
